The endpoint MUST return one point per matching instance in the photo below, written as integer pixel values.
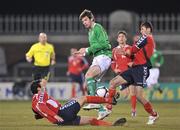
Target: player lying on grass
(47, 107)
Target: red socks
(133, 103)
(112, 92)
(96, 99)
(149, 109)
(100, 122)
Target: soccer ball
(102, 91)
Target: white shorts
(153, 77)
(103, 62)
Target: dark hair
(87, 13)
(147, 24)
(122, 32)
(34, 85)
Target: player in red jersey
(122, 63)
(47, 107)
(139, 72)
(76, 66)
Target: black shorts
(136, 75)
(69, 113)
(39, 72)
(76, 78)
(124, 86)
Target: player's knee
(113, 83)
(89, 75)
(82, 100)
(132, 92)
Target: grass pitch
(17, 115)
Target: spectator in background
(157, 60)
(42, 55)
(76, 66)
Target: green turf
(17, 115)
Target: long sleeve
(98, 39)
(43, 109)
(139, 44)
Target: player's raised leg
(91, 85)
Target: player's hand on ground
(58, 118)
(37, 116)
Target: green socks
(101, 108)
(91, 86)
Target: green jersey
(157, 59)
(99, 42)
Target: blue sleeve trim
(141, 42)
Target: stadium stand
(66, 31)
